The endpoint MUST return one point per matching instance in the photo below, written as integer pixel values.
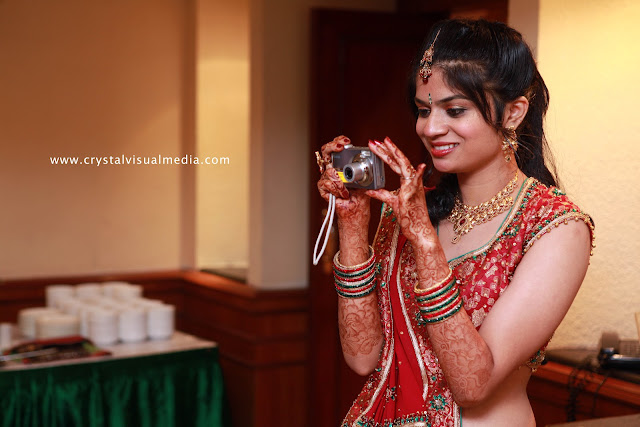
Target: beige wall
(82, 79)
(590, 58)
(222, 129)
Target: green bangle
(445, 316)
(354, 285)
(429, 297)
(441, 305)
(359, 295)
(355, 274)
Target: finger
(383, 195)
(330, 183)
(416, 178)
(327, 189)
(406, 168)
(380, 150)
(336, 145)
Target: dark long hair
(489, 63)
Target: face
(453, 130)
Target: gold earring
(510, 142)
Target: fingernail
(378, 142)
(347, 140)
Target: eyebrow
(441, 101)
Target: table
(627, 420)
(571, 386)
(176, 382)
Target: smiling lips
(442, 149)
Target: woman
(452, 307)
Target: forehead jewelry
(427, 60)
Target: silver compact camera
(358, 167)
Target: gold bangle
(336, 261)
(441, 283)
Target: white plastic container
(88, 291)
(160, 321)
(103, 326)
(57, 325)
(27, 319)
(132, 324)
(56, 294)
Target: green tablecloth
(175, 389)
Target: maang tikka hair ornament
(427, 60)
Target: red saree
(408, 387)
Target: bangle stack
(355, 281)
(441, 301)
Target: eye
(423, 112)
(455, 111)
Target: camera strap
(327, 219)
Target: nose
(431, 127)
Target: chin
(443, 167)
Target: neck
(479, 187)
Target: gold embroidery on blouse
(507, 221)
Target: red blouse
(408, 387)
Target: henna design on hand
(410, 207)
(352, 208)
(330, 183)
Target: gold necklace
(464, 217)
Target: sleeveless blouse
(408, 387)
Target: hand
(351, 206)
(408, 202)
(410, 206)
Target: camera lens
(356, 172)
(348, 173)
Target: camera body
(358, 167)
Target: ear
(514, 112)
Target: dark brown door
(360, 65)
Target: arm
(358, 318)
(522, 320)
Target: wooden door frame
(331, 30)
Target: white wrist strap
(329, 218)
